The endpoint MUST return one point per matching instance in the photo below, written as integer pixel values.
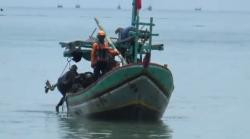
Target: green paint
(158, 79)
(160, 75)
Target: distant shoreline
(125, 9)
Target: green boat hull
(128, 92)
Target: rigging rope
(67, 64)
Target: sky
(232, 5)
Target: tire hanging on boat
(77, 55)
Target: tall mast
(133, 13)
(142, 34)
(136, 4)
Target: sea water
(208, 53)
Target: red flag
(138, 4)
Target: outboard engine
(86, 79)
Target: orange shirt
(96, 47)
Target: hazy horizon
(217, 5)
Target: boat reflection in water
(77, 6)
(74, 128)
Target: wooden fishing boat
(119, 7)
(137, 89)
(128, 92)
(149, 8)
(59, 6)
(77, 6)
(198, 9)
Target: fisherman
(101, 55)
(126, 40)
(64, 84)
(123, 34)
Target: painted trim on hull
(167, 92)
(131, 103)
(130, 112)
(112, 71)
(135, 101)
